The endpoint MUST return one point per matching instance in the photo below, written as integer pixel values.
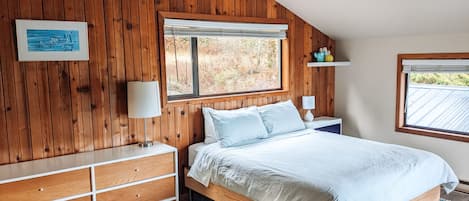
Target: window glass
(438, 101)
(178, 59)
(235, 64)
(219, 65)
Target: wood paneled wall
(55, 108)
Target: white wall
(366, 92)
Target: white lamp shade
(309, 102)
(143, 99)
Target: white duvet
(312, 165)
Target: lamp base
(309, 116)
(146, 144)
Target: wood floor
(455, 196)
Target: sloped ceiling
(351, 19)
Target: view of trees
(225, 64)
(448, 79)
(179, 77)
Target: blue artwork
(52, 40)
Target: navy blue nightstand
(328, 124)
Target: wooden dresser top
(48, 166)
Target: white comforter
(312, 165)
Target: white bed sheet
(313, 165)
(194, 150)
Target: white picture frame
(47, 40)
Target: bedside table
(328, 124)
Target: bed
(314, 165)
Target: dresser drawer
(134, 170)
(48, 187)
(150, 191)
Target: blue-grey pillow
(282, 117)
(238, 127)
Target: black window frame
(195, 76)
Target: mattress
(193, 150)
(323, 166)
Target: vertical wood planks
(300, 67)
(148, 55)
(80, 88)
(133, 58)
(182, 138)
(4, 148)
(19, 139)
(170, 135)
(330, 81)
(74, 11)
(308, 74)
(38, 90)
(116, 63)
(55, 108)
(98, 74)
(271, 8)
(59, 85)
(195, 123)
(202, 6)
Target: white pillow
(238, 127)
(211, 135)
(282, 117)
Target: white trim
(75, 196)
(176, 168)
(435, 62)
(435, 65)
(93, 182)
(180, 27)
(170, 199)
(329, 64)
(224, 25)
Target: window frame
(284, 58)
(195, 77)
(401, 92)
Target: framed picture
(44, 40)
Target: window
(434, 97)
(203, 59)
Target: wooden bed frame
(220, 193)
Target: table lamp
(309, 103)
(143, 101)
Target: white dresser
(121, 173)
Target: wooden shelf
(329, 64)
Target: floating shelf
(329, 64)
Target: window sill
(432, 133)
(228, 97)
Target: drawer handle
(40, 189)
(136, 170)
(138, 196)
